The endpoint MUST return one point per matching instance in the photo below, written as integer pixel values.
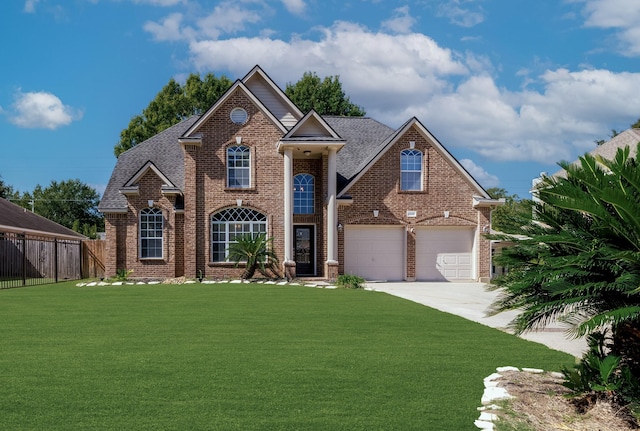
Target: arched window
(238, 167)
(411, 170)
(151, 228)
(232, 222)
(303, 194)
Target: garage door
(374, 252)
(444, 254)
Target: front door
(305, 250)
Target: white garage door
(374, 252)
(444, 254)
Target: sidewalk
(471, 301)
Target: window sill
(222, 264)
(412, 192)
(240, 189)
(153, 259)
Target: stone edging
(320, 285)
(493, 393)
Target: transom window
(303, 194)
(151, 224)
(411, 170)
(238, 167)
(227, 224)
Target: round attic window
(239, 115)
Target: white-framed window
(238, 167)
(232, 222)
(411, 170)
(303, 194)
(151, 228)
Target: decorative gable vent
(239, 115)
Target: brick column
(190, 199)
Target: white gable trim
(312, 114)
(258, 70)
(434, 142)
(239, 86)
(148, 166)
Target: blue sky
(509, 87)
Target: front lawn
(243, 357)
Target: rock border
(493, 393)
(318, 285)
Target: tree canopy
(514, 213)
(175, 102)
(325, 96)
(70, 203)
(172, 104)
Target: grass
(243, 357)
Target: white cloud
(622, 15)
(401, 22)
(41, 110)
(226, 18)
(30, 6)
(461, 16)
(295, 7)
(485, 179)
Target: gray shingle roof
(17, 218)
(364, 138)
(163, 150)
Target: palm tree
(256, 252)
(579, 260)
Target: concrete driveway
(471, 301)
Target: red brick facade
(187, 232)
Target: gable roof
(14, 218)
(162, 150)
(628, 138)
(374, 152)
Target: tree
(515, 212)
(579, 260)
(256, 253)
(326, 96)
(171, 105)
(70, 203)
(6, 191)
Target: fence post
(24, 259)
(55, 257)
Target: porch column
(331, 270)
(289, 263)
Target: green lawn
(243, 357)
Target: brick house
(336, 194)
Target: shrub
(350, 281)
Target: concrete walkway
(471, 301)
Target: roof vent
(239, 115)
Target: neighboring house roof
(14, 218)
(628, 138)
(162, 150)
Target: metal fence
(27, 260)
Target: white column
(288, 205)
(332, 216)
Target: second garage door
(374, 252)
(444, 254)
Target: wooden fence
(27, 260)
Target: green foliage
(70, 203)
(325, 96)
(579, 260)
(123, 274)
(171, 105)
(6, 191)
(256, 253)
(511, 216)
(350, 281)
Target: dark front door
(305, 250)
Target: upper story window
(151, 228)
(232, 222)
(411, 170)
(303, 194)
(239, 115)
(238, 167)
